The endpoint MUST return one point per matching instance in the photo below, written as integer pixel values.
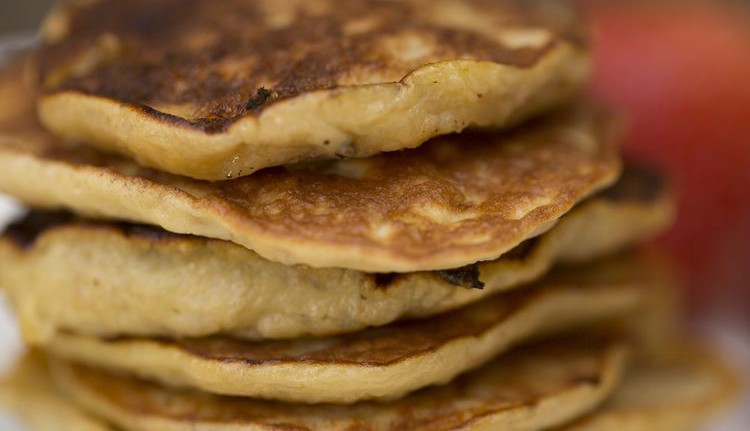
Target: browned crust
(227, 61)
(26, 231)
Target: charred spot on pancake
(153, 233)
(262, 96)
(25, 231)
(638, 183)
(467, 277)
(385, 280)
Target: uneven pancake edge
(304, 214)
(112, 194)
(405, 103)
(597, 227)
(580, 395)
(318, 125)
(392, 371)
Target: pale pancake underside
(442, 206)
(338, 79)
(383, 362)
(131, 280)
(529, 389)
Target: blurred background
(22, 15)
(680, 70)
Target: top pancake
(219, 89)
(458, 200)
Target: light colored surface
(735, 340)
(10, 340)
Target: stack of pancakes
(321, 215)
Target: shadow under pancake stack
(372, 215)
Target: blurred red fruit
(681, 70)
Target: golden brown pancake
(107, 269)
(217, 89)
(455, 201)
(529, 389)
(385, 362)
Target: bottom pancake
(530, 389)
(386, 362)
(535, 387)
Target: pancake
(442, 206)
(219, 89)
(385, 362)
(677, 392)
(131, 279)
(529, 389)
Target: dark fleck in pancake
(217, 89)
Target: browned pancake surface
(231, 58)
